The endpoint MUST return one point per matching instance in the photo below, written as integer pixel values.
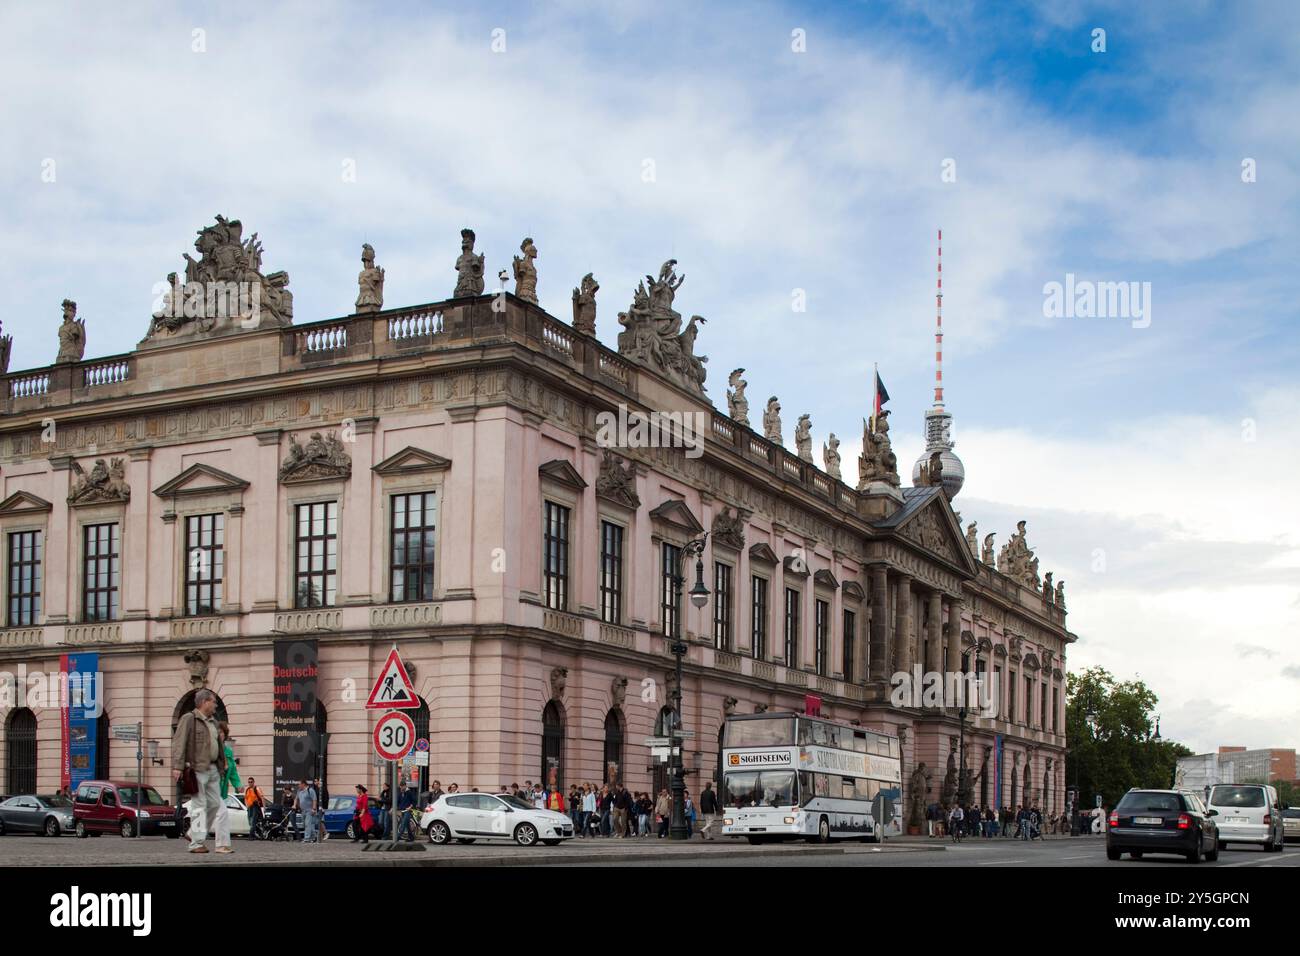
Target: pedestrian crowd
(1024, 823)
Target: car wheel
(128, 829)
(51, 827)
(1195, 855)
(1112, 854)
(351, 833)
(525, 834)
(81, 830)
(439, 833)
(174, 833)
(2, 828)
(1223, 844)
(1213, 855)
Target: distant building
(1235, 765)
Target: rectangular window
(1013, 715)
(25, 552)
(611, 572)
(792, 627)
(205, 558)
(1042, 703)
(850, 643)
(102, 547)
(758, 617)
(670, 603)
(722, 606)
(822, 634)
(1056, 703)
(414, 518)
(1029, 700)
(555, 556)
(316, 565)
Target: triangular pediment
(675, 512)
(826, 579)
(931, 525)
(854, 590)
(763, 552)
(411, 460)
(22, 502)
(200, 479)
(561, 470)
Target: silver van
(1248, 813)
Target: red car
(109, 806)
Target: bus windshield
(769, 732)
(755, 788)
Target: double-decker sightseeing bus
(790, 775)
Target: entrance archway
(614, 744)
(186, 704)
(552, 744)
(20, 752)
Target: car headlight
(144, 814)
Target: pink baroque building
(235, 495)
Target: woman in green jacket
(230, 781)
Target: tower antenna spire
(938, 330)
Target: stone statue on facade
(931, 474)
(72, 335)
(972, 540)
(370, 295)
(1017, 561)
(469, 267)
(737, 403)
(803, 438)
(729, 528)
(617, 482)
(831, 456)
(225, 283)
(618, 691)
(653, 334)
(322, 457)
(526, 272)
(877, 461)
(584, 305)
(197, 661)
(1047, 589)
(559, 680)
(6, 349)
(918, 786)
(105, 482)
(950, 779)
(1060, 594)
(986, 555)
(772, 421)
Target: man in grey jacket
(198, 744)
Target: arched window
(421, 720)
(552, 745)
(613, 746)
(186, 704)
(20, 741)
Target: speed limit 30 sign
(394, 735)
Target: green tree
(1110, 728)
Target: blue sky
(774, 171)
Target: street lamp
(963, 795)
(677, 828)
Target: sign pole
(139, 772)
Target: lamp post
(677, 829)
(963, 795)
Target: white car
(1248, 813)
(235, 810)
(467, 817)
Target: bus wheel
(756, 840)
(823, 831)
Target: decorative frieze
(393, 616)
(185, 628)
(568, 624)
(308, 619)
(105, 633)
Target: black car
(50, 814)
(1162, 821)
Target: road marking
(1081, 856)
(998, 862)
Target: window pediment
(22, 503)
(762, 552)
(676, 514)
(826, 579)
(561, 471)
(200, 479)
(411, 460)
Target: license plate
(1152, 821)
(1237, 820)
(167, 823)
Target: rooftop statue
(469, 267)
(653, 335)
(831, 456)
(584, 305)
(526, 272)
(6, 347)
(877, 463)
(737, 403)
(223, 286)
(772, 421)
(972, 540)
(72, 335)
(1017, 561)
(803, 438)
(370, 295)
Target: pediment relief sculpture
(323, 457)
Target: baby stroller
(593, 825)
(275, 824)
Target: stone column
(934, 633)
(904, 640)
(954, 636)
(879, 623)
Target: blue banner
(998, 770)
(81, 717)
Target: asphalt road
(113, 850)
